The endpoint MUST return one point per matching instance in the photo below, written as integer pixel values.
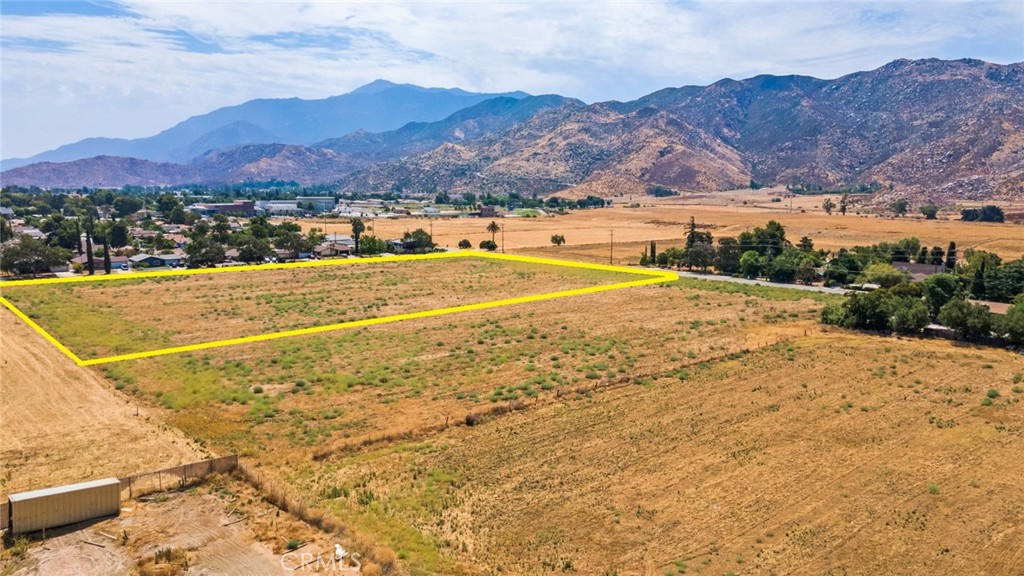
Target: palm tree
(493, 228)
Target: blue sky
(130, 68)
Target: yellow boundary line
(653, 277)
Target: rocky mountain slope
(930, 129)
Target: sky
(131, 68)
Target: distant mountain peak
(376, 87)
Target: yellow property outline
(651, 277)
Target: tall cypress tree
(88, 246)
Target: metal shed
(62, 505)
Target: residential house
(115, 261)
(331, 249)
(156, 261)
(917, 271)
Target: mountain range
(377, 106)
(941, 130)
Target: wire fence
(176, 476)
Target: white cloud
(66, 77)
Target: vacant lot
(293, 406)
(120, 316)
(666, 222)
(699, 427)
(833, 454)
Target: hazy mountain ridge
(378, 106)
(935, 129)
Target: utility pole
(502, 237)
(611, 246)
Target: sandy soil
(60, 423)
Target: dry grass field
(118, 316)
(292, 407)
(836, 453)
(694, 427)
(665, 221)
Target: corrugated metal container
(62, 505)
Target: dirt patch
(60, 423)
(220, 528)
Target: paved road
(716, 278)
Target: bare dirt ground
(665, 220)
(219, 528)
(61, 423)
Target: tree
(30, 256)
(204, 252)
(939, 289)
(117, 234)
(750, 264)
(166, 202)
(418, 240)
(488, 245)
(357, 230)
(805, 244)
(1005, 282)
(828, 205)
(910, 316)
(106, 254)
(254, 250)
(557, 239)
(88, 224)
(221, 229)
(884, 275)
(970, 321)
(844, 203)
(369, 244)
(784, 267)
(493, 228)
(951, 257)
(936, 256)
(870, 310)
(1012, 324)
(465, 244)
(694, 236)
(6, 232)
(842, 269)
(899, 206)
(177, 215)
(700, 255)
(126, 205)
(987, 213)
(922, 255)
(930, 211)
(727, 260)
